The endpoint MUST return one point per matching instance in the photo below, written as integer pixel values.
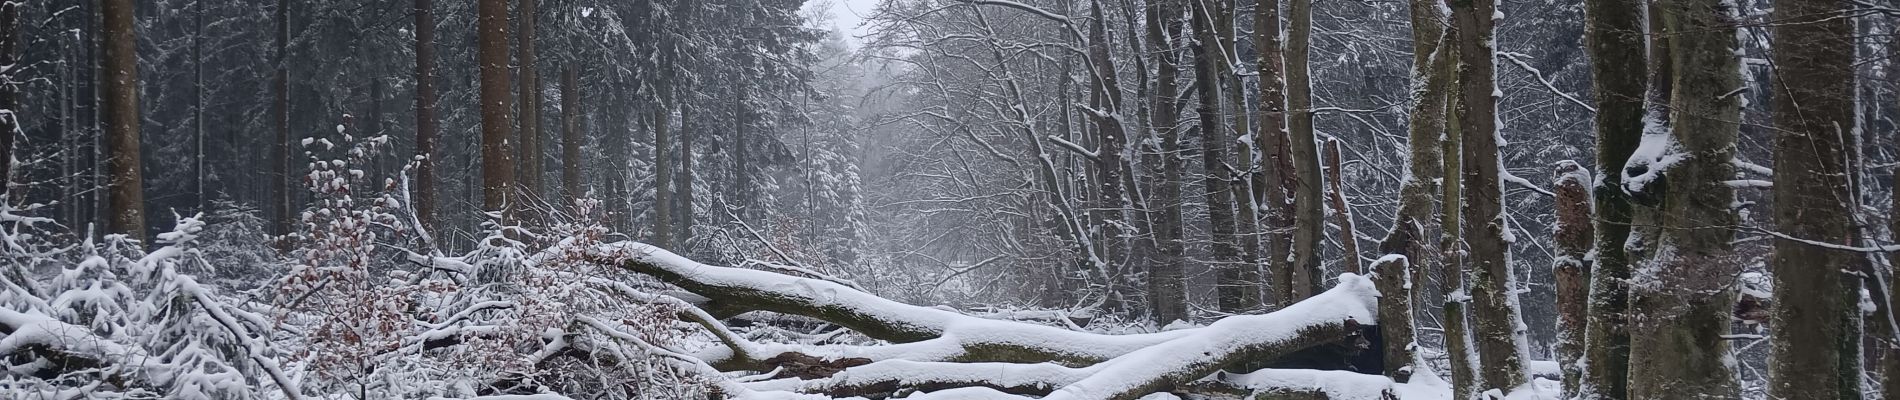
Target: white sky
(847, 15)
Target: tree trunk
(1393, 275)
(1167, 289)
(1218, 192)
(424, 190)
(9, 93)
(1682, 303)
(1274, 180)
(1493, 300)
(1614, 38)
(662, 207)
(121, 87)
(683, 181)
(1308, 211)
(528, 156)
(1574, 234)
(1348, 236)
(571, 136)
(1457, 337)
(1890, 358)
(282, 185)
(1417, 204)
(1112, 141)
(1816, 348)
(498, 172)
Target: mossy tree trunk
(1574, 234)
(1816, 351)
(1494, 319)
(1614, 37)
(1682, 297)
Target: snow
(1654, 155)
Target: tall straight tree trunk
(9, 93)
(1614, 38)
(1247, 284)
(1574, 234)
(1816, 350)
(662, 178)
(528, 156)
(498, 171)
(121, 87)
(1348, 236)
(424, 194)
(1309, 222)
(1890, 357)
(1167, 289)
(571, 135)
(1494, 312)
(1451, 222)
(1112, 143)
(1218, 192)
(281, 185)
(1274, 180)
(683, 181)
(1682, 301)
(1417, 201)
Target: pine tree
(424, 194)
(120, 83)
(498, 172)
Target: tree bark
(1817, 316)
(1494, 306)
(424, 193)
(1614, 37)
(1167, 288)
(1274, 180)
(1682, 301)
(1457, 336)
(498, 172)
(1574, 234)
(9, 92)
(1218, 191)
(571, 135)
(121, 88)
(1308, 211)
(282, 185)
(683, 180)
(662, 206)
(528, 138)
(1348, 236)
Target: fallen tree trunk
(946, 352)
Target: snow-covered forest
(949, 199)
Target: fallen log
(943, 351)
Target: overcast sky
(848, 14)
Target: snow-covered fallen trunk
(944, 350)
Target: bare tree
(1816, 345)
(1614, 37)
(1309, 223)
(1494, 309)
(1167, 296)
(1574, 234)
(1682, 300)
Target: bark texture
(1273, 181)
(1342, 215)
(423, 196)
(1217, 182)
(120, 87)
(1308, 212)
(571, 136)
(498, 171)
(1614, 37)
(1682, 297)
(1816, 347)
(9, 92)
(1167, 289)
(528, 138)
(1494, 319)
(1574, 234)
(282, 185)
